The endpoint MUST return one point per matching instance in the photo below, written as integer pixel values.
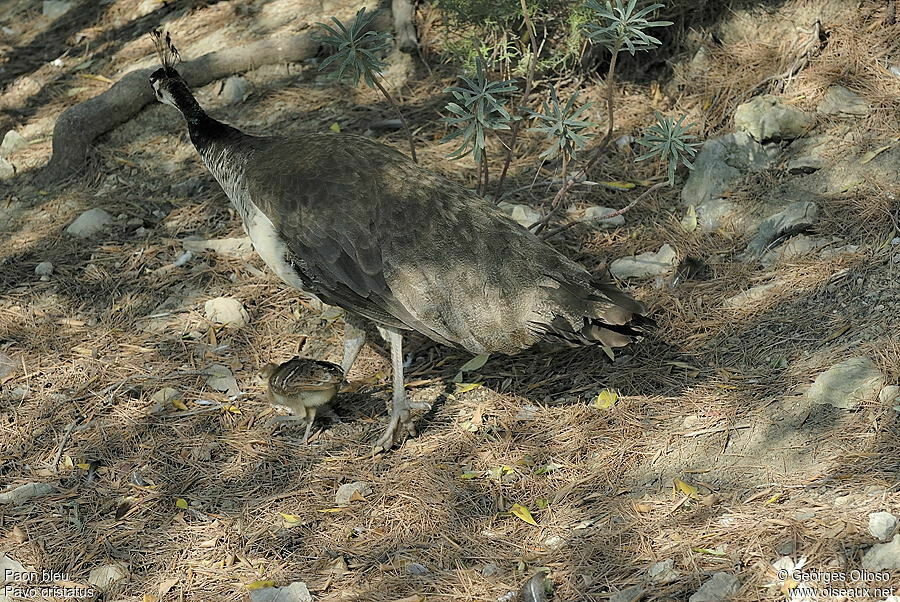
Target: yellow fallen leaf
(335, 127)
(773, 499)
(83, 465)
(466, 387)
(500, 471)
(181, 503)
(67, 461)
(642, 507)
(686, 488)
(357, 497)
(542, 503)
(149, 598)
(689, 221)
(869, 155)
(99, 78)
(605, 399)
(231, 408)
(330, 510)
(260, 584)
(708, 551)
(178, 404)
(617, 185)
(471, 474)
(523, 513)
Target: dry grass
(713, 399)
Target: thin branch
(621, 211)
(596, 152)
(412, 145)
(529, 81)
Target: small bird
(302, 386)
(361, 226)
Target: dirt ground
(199, 500)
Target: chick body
(302, 386)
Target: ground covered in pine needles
(708, 457)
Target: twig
(596, 152)
(65, 440)
(718, 429)
(412, 145)
(529, 82)
(621, 211)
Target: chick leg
(354, 339)
(310, 418)
(401, 406)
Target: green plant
(562, 126)
(622, 27)
(668, 139)
(357, 51)
(479, 109)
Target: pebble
(104, 576)
(523, 214)
(847, 383)
(646, 264)
(663, 571)
(6, 169)
(227, 311)
(235, 90)
(490, 570)
(295, 592)
(415, 568)
(346, 492)
(883, 556)
(717, 588)
(55, 8)
(597, 216)
(89, 223)
(882, 525)
(839, 100)
(12, 141)
(7, 365)
(44, 270)
(221, 379)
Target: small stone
(44, 270)
(752, 296)
(221, 379)
(23, 493)
(889, 394)
(846, 384)
(523, 214)
(663, 571)
(646, 264)
(597, 216)
(554, 542)
(883, 556)
(527, 412)
(104, 576)
(839, 100)
(717, 588)
(7, 365)
(797, 246)
(226, 310)
(6, 169)
(295, 592)
(767, 118)
(786, 548)
(629, 594)
(236, 90)
(348, 491)
(719, 164)
(490, 570)
(882, 525)
(55, 8)
(89, 223)
(793, 219)
(415, 568)
(165, 396)
(12, 142)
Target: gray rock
(12, 142)
(13, 572)
(346, 492)
(717, 213)
(220, 378)
(55, 8)
(523, 214)
(186, 188)
(491, 570)
(889, 394)
(662, 572)
(597, 216)
(719, 163)
(882, 525)
(717, 588)
(236, 90)
(295, 592)
(235, 248)
(7, 365)
(146, 7)
(767, 118)
(883, 556)
(797, 246)
(416, 568)
(792, 220)
(89, 223)
(23, 493)
(105, 576)
(226, 310)
(846, 384)
(839, 100)
(6, 169)
(43, 270)
(629, 594)
(645, 265)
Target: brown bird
(362, 227)
(302, 386)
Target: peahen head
(166, 81)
